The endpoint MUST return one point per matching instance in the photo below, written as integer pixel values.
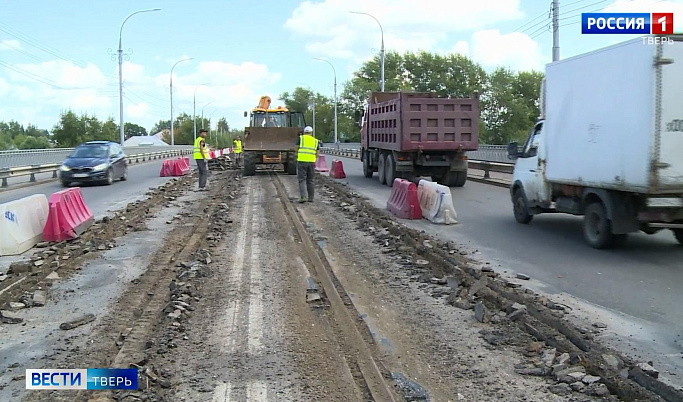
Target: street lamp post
(121, 136)
(194, 111)
(203, 113)
(171, 82)
(335, 97)
(381, 52)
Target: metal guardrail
(495, 163)
(33, 157)
(6, 173)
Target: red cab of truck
(406, 135)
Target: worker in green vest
(237, 149)
(201, 157)
(307, 154)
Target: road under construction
(240, 293)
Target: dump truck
(408, 135)
(271, 137)
(609, 142)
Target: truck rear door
(668, 145)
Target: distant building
(145, 141)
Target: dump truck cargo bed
(410, 122)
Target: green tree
(69, 132)
(133, 130)
(160, 126)
(35, 143)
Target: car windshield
(91, 151)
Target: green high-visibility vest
(198, 149)
(308, 145)
(238, 146)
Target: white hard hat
(308, 129)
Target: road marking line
(222, 392)
(255, 333)
(257, 391)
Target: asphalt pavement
(639, 283)
(101, 198)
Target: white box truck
(609, 142)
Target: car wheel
(597, 229)
(520, 207)
(66, 183)
(124, 176)
(110, 177)
(678, 233)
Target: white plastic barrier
(436, 202)
(21, 223)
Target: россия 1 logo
(627, 23)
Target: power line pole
(556, 30)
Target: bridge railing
(489, 158)
(49, 160)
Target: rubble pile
(28, 281)
(507, 312)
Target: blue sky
(54, 54)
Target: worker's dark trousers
(203, 172)
(305, 172)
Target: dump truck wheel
(249, 164)
(381, 167)
(390, 167)
(458, 179)
(367, 170)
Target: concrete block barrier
(436, 202)
(21, 223)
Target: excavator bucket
(271, 138)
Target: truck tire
(381, 167)
(520, 207)
(460, 178)
(290, 165)
(367, 169)
(678, 233)
(390, 169)
(249, 164)
(597, 229)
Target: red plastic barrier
(212, 155)
(181, 166)
(337, 171)
(167, 168)
(321, 164)
(403, 201)
(68, 216)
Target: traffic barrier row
(436, 202)
(175, 167)
(403, 201)
(321, 164)
(337, 171)
(27, 221)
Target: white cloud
(138, 110)
(332, 31)
(515, 50)
(10, 44)
(462, 47)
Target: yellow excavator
(270, 138)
